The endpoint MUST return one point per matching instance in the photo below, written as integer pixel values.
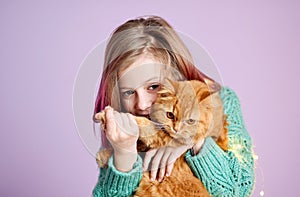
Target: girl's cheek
(128, 105)
(154, 96)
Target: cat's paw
(102, 157)
(100, 118)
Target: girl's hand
(163, 159)
(122, 133)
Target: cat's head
(184, 108)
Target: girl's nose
(144, 100)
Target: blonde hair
(150, 35)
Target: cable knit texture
(229, 173)
(112, 182)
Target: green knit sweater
(229, 173)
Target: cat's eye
(190, 121)
(170, 115)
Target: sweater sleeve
(112, 182)
(226, 173)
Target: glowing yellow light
(255, 157)
(239, 146)
(261, 193)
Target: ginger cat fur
(183, 113)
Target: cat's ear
(207, 89)
(212, 86)
(208, 96)
(169, 86)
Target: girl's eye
(170, 115)
(153, 87)
(128, 93)
(190, 121)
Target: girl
(139, 54)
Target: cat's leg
(102, 157)
(146, 127)
(100, 118)
(150, 134)
(147, 130)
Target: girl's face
(138, 85)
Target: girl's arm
(124, 170)
(229, 173)
(112, 182)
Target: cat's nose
(177, 126)
(175, 130)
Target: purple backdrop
(255, 45)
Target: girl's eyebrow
(147, 81)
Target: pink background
(254, 44)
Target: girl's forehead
(141, 72)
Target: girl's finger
(120, 121)
(130, 125)
(165, 158)
(161, 174)
(148, 156)
(110, 120)
(155, 163)
(163, 164)
(124, 123)
(169, 169)
(132, 122)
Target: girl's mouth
(144, 115)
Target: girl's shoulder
(230, 100)
(227, 93)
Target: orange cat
(183, 113)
